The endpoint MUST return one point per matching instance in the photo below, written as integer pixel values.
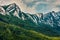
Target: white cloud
(55, 8)
(51, 5)
(26, 9)
(57, 2)
(28, 1)
(23, 6)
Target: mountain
(14, 10)
(51, 18)
(47, 24)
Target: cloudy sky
(35, 6)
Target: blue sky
(35, 6)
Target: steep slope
(12, 32)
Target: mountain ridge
(13, 10)
(44, 23)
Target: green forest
(13, 32)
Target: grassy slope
(12, 32)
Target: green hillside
(41, 28)
(12, 32)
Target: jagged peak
(13, 6)
(12, 9)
